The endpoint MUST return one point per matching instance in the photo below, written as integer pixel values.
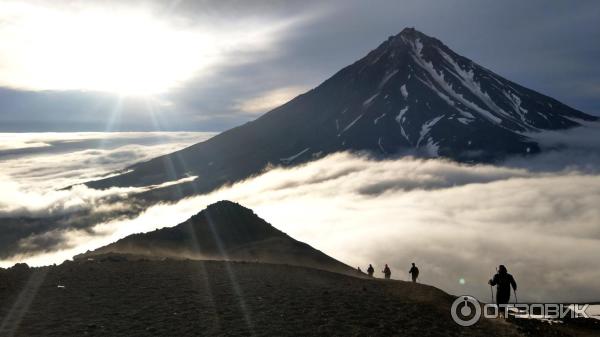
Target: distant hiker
(358, 270)
(387, 272)
(414, 271)
(504, 281)
(370, 270)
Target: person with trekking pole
(504, 281)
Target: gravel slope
(193, 298)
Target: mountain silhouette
(223, 231)
(412, 94)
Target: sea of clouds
(539, 216)
(37, 167)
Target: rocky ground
(116, 297)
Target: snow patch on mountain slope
(378, 118)
(444, 97)
(352, 123)
(467, 79)
(464, 121)
(400, 119)
(403, 91)
(377, 58)
(291, 158)
(417, 47)
(441, 82)
(369, 100)
(517, 108)
(432, 148)
(426, 127)
(387, 77)
(546, 117)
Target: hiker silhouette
(503, 280)
(370, 270)
(414, 271)
(387, 272)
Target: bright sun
(127, 52)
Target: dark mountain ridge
(412, 94)
(223, 231)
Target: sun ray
(231, 274)
(139, 53)
(20, 307)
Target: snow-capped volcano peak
(410, 94)
(443, 102)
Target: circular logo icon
(465, 310)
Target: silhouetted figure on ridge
(387, 272)
(503, 280)
(358, 270)
(370, 270)
(414, 272)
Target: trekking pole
(492, 288)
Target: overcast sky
(212, 65)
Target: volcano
(411, 95)
(224, 231)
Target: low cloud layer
(36, 210)
(457, 222)
(45, 162)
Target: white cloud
(15, 202)
(32, 185)
(565, 150)
(68, 159)
(455, 221)
(37, 213)
(118, 47)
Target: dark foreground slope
(218, 298)
(173, 298)
(224, 231)
(411, 94)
